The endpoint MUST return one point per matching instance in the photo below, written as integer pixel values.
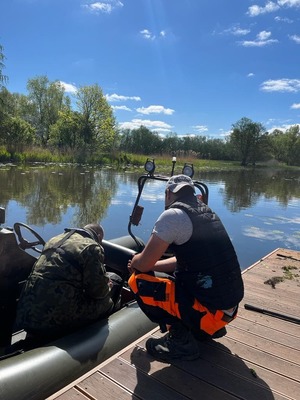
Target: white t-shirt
(173, 226)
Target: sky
(190, 67)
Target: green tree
(6, 102)
(247, 138)
(170, 143)
(66, 132)
(47, 99)
(15, 104)
(215, 149)
(141, 141)
(278, 145)
(16, 133)
(286, 145)
(293, 145)
(98, 122)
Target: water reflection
(259, 208)
(48, 192)
(243, 189)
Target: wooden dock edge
(259, 261)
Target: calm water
(260, 209)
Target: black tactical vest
(207, 265)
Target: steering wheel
(23, 243)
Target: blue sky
(185, 66)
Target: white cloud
(250, 75)
(259, 233)
(295, 106)
(200, 128)
(121, 108)
(117, 97)
(295, 38)
(106, 6)
(280, 19)
(281, 85)
(271, 6)
(69, 87)
(281, 127)
(147, 34)
(289, 3)
(255, 10)
(238, 31)
(155, 110)
(264, 35)
(262, 39)
(290, 239)
(152, 125)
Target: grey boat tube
(39, 373)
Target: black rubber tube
(272, 313)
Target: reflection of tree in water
(95, 194)
(243, 189)
(48, 192)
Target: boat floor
(258, 359)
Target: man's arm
(149, 258)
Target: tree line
(47, 118)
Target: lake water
(259, 208)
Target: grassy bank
(126, 161)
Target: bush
(4, 155)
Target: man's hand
(130, 269)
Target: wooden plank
(262, 358)
(72, 394)
(174, 377)
(273, 258)
(102, 388)
(230, 369)
(234, 381)
(276, 304)
(271, 340)
(226, 359)
(266, 321)
(140, 384)
(285, 288)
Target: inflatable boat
(33, 369)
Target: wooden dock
(258, 359)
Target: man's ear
(168, 198)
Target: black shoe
(202, 336)
(220, 333)
(178, 343)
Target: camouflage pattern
(67, 288)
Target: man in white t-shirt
(201, 285)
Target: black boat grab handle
(272, 314)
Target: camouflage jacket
(67, 288)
